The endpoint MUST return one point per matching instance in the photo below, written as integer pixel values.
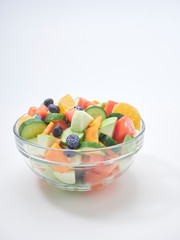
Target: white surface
(122, 50)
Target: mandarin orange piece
(129, 110)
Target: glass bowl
(87, 170)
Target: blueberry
(53, 108)
(48, 101)
(72, 141)
(40, 117)
(78, 107)
(69, 154)
(57, 131)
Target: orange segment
(23, 119)
(66, 103)
(130, 111)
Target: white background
(121, 50)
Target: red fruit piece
(69, 114)
(93, 177)
(106, 169)
(89, 103)
(96, 158)
(32, 111)
(123, 126)
(42, 111)
(62, 124)
(109, 107)
(84, 103)
(93, 158)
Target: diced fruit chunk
(48, 172)
(42, 111)
(94, 158)
(84, 103)
(68, 177)
(111, 154)
(109, 107)
(32, 111)
(96, 122)
(127, 138)
(77, 159)
(123, 126)
(45, 141)
(93, 177)
(108, 125)
(69, 114)
(62, 124)
(92, 145)
(49, 128)
(58, 157)
(92, 131)
(88, 104)
(106, 169)
(80, 121)
(129, 146)
(132, 112)
(66, 103)
(32, 149)
(92, 134)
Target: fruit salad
(86, 132)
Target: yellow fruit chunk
(23, 119)
(66, 103)
(132, 112)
